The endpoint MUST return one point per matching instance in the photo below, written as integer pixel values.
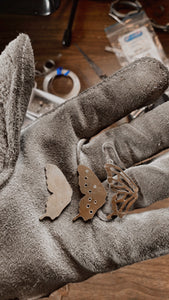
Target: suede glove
(37, 257)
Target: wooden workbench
(145, 280)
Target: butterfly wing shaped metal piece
(126, 191)
(61, 192)
(95, 193)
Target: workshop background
(145, 280)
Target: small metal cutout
(95, 194)
(61, 192)
(126, 191)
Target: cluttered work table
(145, 280)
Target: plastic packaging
(133, 38)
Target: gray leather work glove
(37, 257)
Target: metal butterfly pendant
(126, 191)
(95, 193)
(61, 192)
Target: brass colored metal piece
(61, 192)
(126, 191)
(95, 193)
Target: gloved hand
(37, 257)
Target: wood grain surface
(145, 280)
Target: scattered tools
(136, 7)
(38, 107)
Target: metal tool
(157, 26)
(48, 96)
(116, 6)
(68, 32)
(118, 16)
(96, 68)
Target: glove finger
(151, 180)
(16, 82)
(136, 85)
(133, 238)
(129, 143)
